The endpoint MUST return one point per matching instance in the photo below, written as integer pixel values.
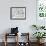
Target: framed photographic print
(18, 13)
(41, 12)
(41, 8)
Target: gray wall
(24, 25)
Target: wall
(24, 25)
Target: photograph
(18, 13)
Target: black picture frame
(21, 11)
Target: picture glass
(18, 13)
(41, 12)
(41, 8)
